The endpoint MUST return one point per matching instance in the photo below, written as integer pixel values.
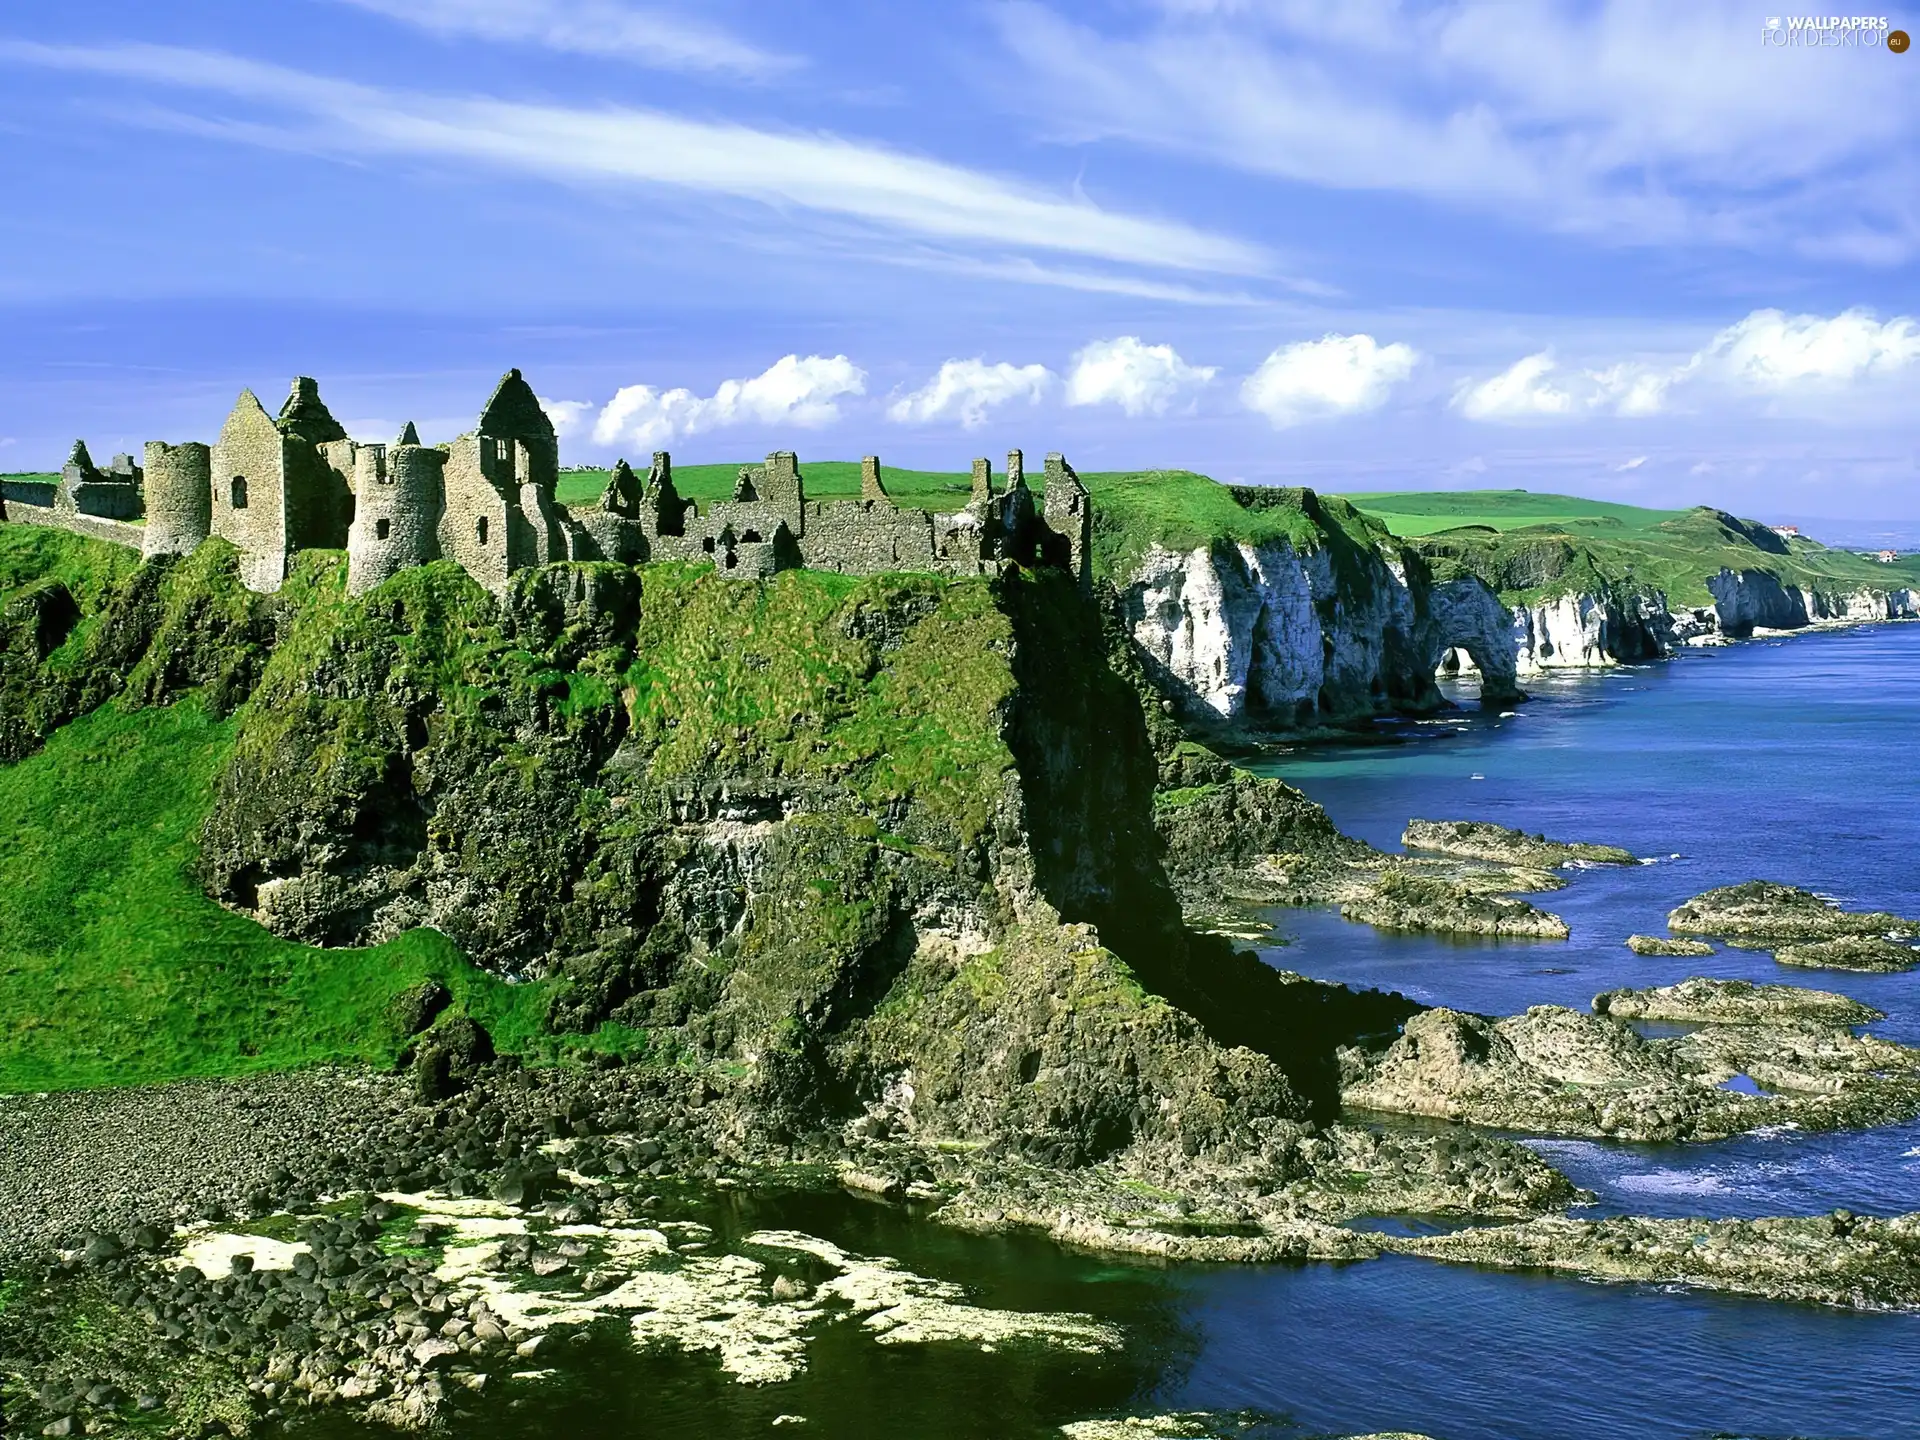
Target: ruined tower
(500, 514)
(1069, 514)
(179, 490)
(398, 501)
(84, 489)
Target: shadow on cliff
(1087, 739)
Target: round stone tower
(396, 512)
(179, 486)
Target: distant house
(1886, 557)
(1788, 531)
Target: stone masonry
(273, 486)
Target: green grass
(115, 969)
(1423, 512)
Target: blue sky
(1631, 250)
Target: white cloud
(1634, 464)
(1701, 467)
(587, 27)
(568, 416)
(1140, 379)
(1639, 121)
(791, 391)
(1767, 354)
(1520, 392)
(968, 389)
(868, 182)
(1331, 376)
(1770, 350)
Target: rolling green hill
(1423, 512)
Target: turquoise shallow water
(1790, 760)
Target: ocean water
(1790, 760)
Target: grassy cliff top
(1422, 512)
(1673, 553)
(1132, 509)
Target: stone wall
(179, 488)
(94, 527)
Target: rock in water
(1871, 953)
(1661, 945)
(1734, 1002)
(1770, 914)
(1482, 840)
(1403, 901)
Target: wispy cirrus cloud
(605, 28)
(882, 187)
(1632, 121)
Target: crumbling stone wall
(84, 489)
(249, 492)
(179, 489)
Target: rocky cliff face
(1284, 634)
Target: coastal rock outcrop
(1733, 1002)
(1872, 954)
(1483, 840)
(1665, 945)
(1766, 914)
(1555, 1071)
(1403, 899)
(1836, 1259)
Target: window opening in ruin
(239, 492)
(752, 537)
(380, 528)
(707, 544)
(732, 559)
(480, 529)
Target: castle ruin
(276, 485)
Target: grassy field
(115, 969)
(1423, 512)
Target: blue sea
(1791, 760)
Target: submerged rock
(1482, 840)
(1772, 914)
(1402, 900)
(1869, 953)
(1661, 945)
(1733, 1002)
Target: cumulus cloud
(968, 389)
(1319, 379)
(1767, 354)
(1771, 350)
(1141, 379)
(568, 416)
(791, 391)
(1522, 391)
